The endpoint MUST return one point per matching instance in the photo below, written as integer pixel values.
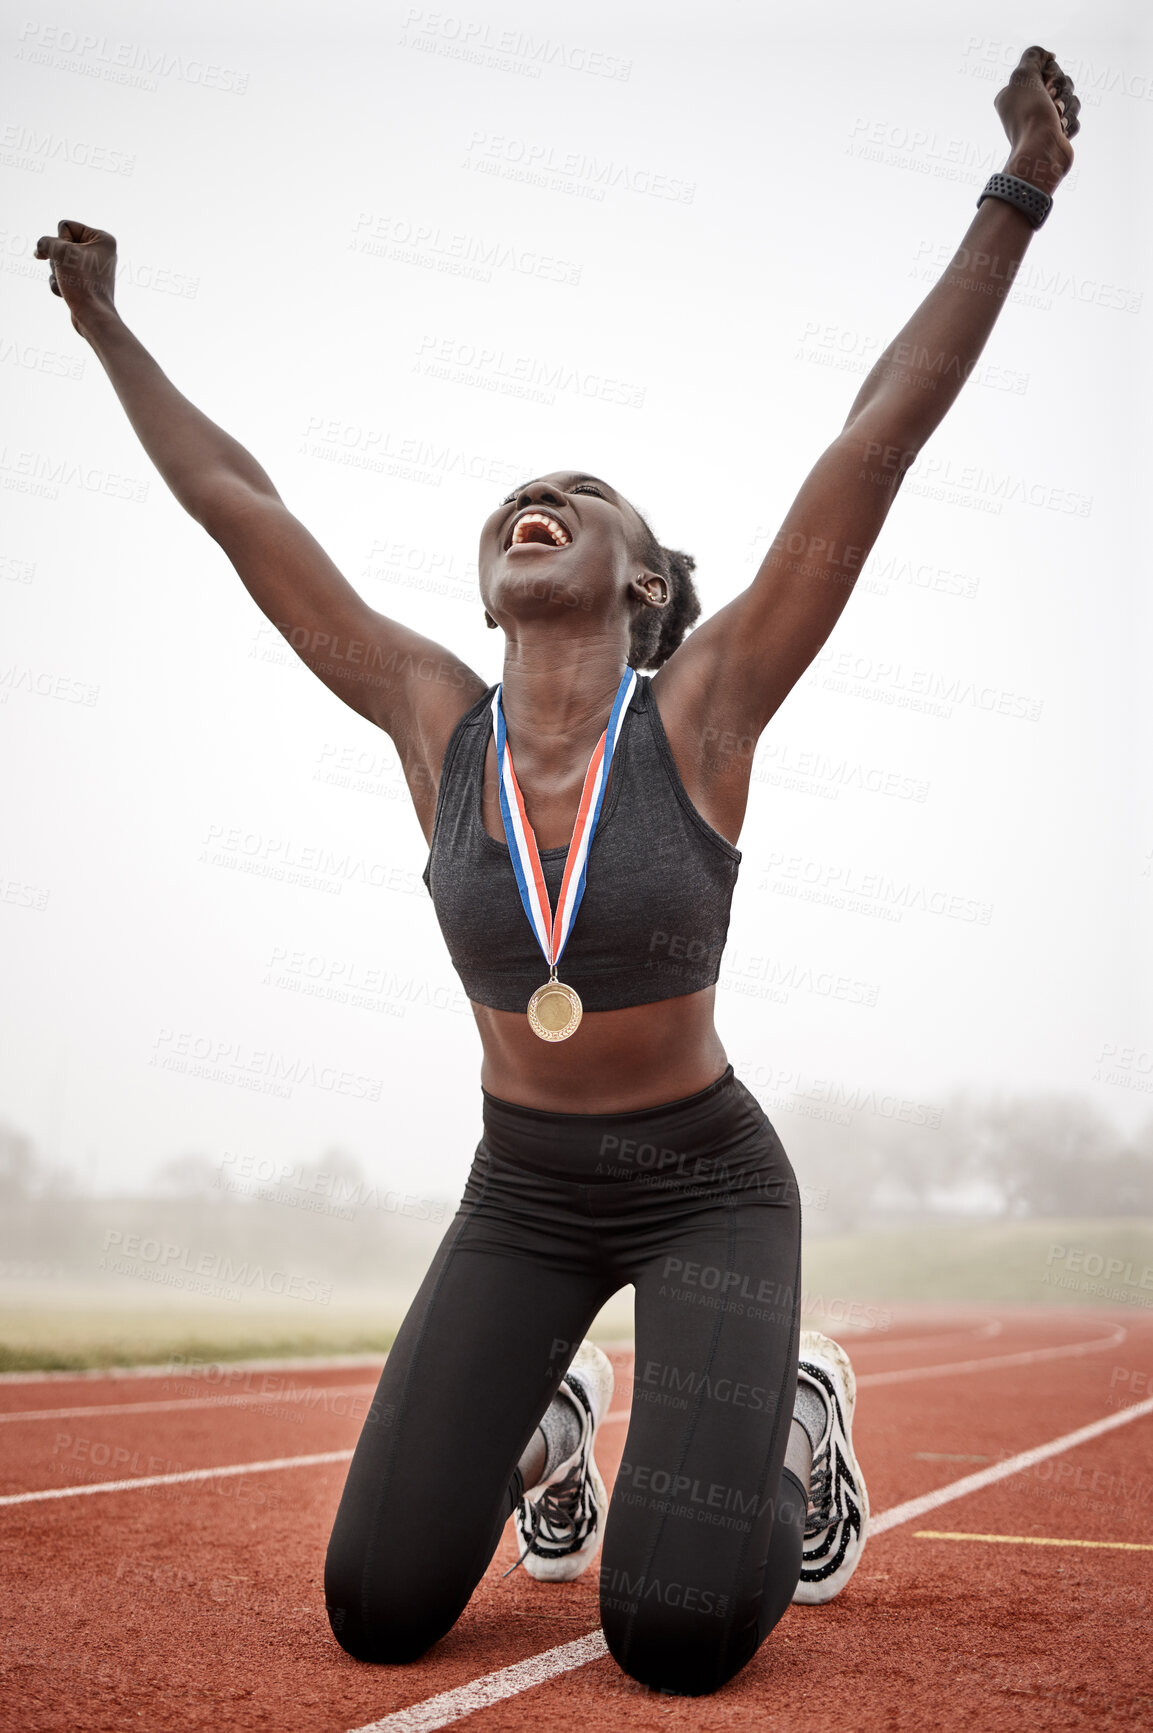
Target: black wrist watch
(1035, 204)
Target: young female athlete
(583, 827)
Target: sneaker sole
(594, 1371)
(817, 1347)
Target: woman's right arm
(407, 684)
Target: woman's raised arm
(402, 681)
(732, 674)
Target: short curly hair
(657, 632)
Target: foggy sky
(364, 242)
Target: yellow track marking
(1033, 1540)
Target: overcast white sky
(714, 220)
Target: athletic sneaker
(838, 1515)
(560, 1522)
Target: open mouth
(540, 527)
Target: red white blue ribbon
(552, 931)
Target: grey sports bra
(655, 913)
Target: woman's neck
(556, 696)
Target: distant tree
(1025, 1155)
(19, 1167)
(1053, 1155)
(189, 1176)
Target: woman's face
(562, 541)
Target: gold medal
(554, 1011)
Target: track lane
(226, 1628)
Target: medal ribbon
(552, 931)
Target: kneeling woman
(583, 824)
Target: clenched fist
(1039, 110)
(83, 270)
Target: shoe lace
(565, 1507)
(820, 1512)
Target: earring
(489, 621)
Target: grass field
(849, 1281)
(1025, 1262)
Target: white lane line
(887, 1519)
(1027, 1357)
(201, 1473)
(178, 1403)
(980, 1332)
(449, 1706)
(173, 1479)
(915, 1507)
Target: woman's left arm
(735, 670)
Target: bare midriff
(616, 1062)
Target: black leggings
(695, 1202)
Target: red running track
(197, 1602)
